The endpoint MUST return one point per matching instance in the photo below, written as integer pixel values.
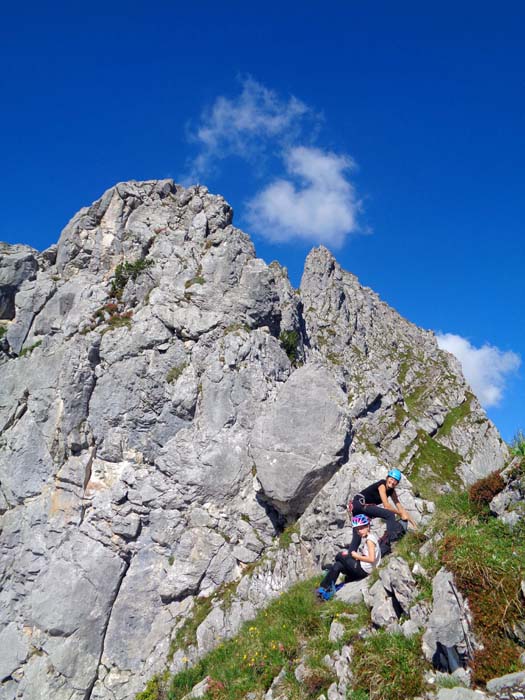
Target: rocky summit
(169, 405)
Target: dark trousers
(343, 564)
(373, 512)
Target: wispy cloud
(311, 198)
(318, 203)
(485, 368)
(246, 125)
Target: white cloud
(246, 125)
(318, 204)
(485, 368)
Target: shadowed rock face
(154, 433)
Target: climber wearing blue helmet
(354, 564)
(374, 502)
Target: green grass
(198, 279)
(27, 351)
(126, 271)
(290, 342)
(295, 626)
(388, 666)
(285, 538)
(455, 416)
(488, 563)
(414, 401)
(517, 447)
(3, 331)
(118, 321)
(432, 465)
(175, 372)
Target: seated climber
(367, 503)
(355, 565)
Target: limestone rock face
(17, 264)
(156, 436)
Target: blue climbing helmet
(395, 474)
(360, 520)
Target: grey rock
(15, 647)
(399, 582)
(17, 264)
(450, 621)
(199, 690)
(195, 551)
(300, 440)
(337, 631)
(460, 694)
(352, 592)
(511, 680)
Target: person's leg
(353, 570)
(374, 511)
(332, 575)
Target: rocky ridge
(156, 437)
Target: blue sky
(392, 132)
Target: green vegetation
(285, 538)
(488, 563)
(333, 358)
(414, 401)
(290, 343)
(517, 447)
(198, 279)
(432, 465)
(126, 271)
(187, 634)
(122, 320)
(233, 327)
(293, 626)
(388, 667)
(29, 349)
(455, 416)
(175, 372)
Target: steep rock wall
(155, 437)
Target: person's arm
(384, 499)
(402, 512)
(371, 553)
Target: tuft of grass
(198, 279)
(126, 271)
(455, 416)
(290, 344)
(233, 327)
(518, 444)
(122, 320)
(3, 331)
(175, 372)
(156, 688)
(187, 634)
(388, 667)
(285, 538)
(27, 351)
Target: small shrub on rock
(289, 342)
(483, 491)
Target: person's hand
(344, 552)
(355, 555)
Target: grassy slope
(488, 562)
